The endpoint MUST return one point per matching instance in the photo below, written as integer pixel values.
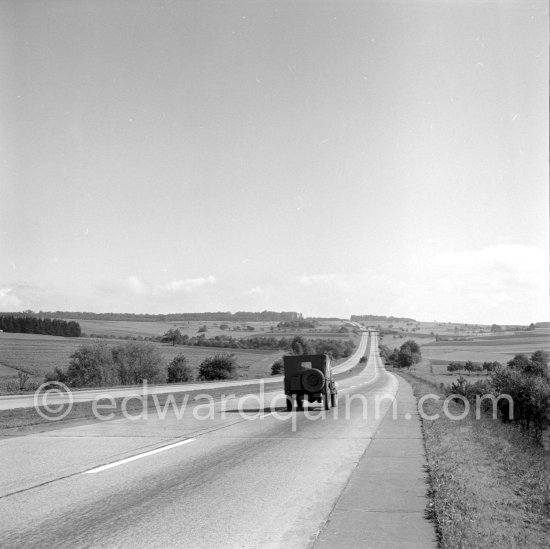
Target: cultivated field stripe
(138, 456)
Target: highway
(239, 473)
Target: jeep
(309, 377)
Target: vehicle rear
(309, 377)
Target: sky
(331, 158)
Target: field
(123, 328)
(437, 355)
(37, 354)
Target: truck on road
(309, 377)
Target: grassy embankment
(490, 484)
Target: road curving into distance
(239, 473)
(86, 395)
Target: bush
(98, 365)
(301, 346)
(277, 367)
(91, 366)
(138, 361)
(179, 370)
(531, 396)
(469, 390)
(455, 367)
(221, 366)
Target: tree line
(239, 316)
(364, 318)
(335, 348)
(35, 325)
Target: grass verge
(490, 485)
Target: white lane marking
(138, 456)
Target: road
(27, 401)
(235, 474)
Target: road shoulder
(384, 503)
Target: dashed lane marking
(138, 456)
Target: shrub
(455, 367)
(179, 370)
(277, 367)
(301, 346)
(221, 366)
(97, 365)
(468, 390)
(531, 396)
(91, 366)
(138, 361)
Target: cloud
(184, 285)
(502, 283)
(136, 286)
(257, 291)
(317, 279)
(9, 300)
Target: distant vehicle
(309, 377)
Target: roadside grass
(490, 485)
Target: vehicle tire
(299, 402)
(327, 400)
(334, 399)
(313, 380)
(288, 403)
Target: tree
(301, 346)
(91, 366)
(540, 357)
(138, 361)
(179, 370)
(221, 366)
(454, 367)
(409, 354)
(520, 362)
(277, 367)
(490, 366)
(173, 336)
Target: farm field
(123, 328)
(437, 355)
(39, 354)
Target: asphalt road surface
(239, 473)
